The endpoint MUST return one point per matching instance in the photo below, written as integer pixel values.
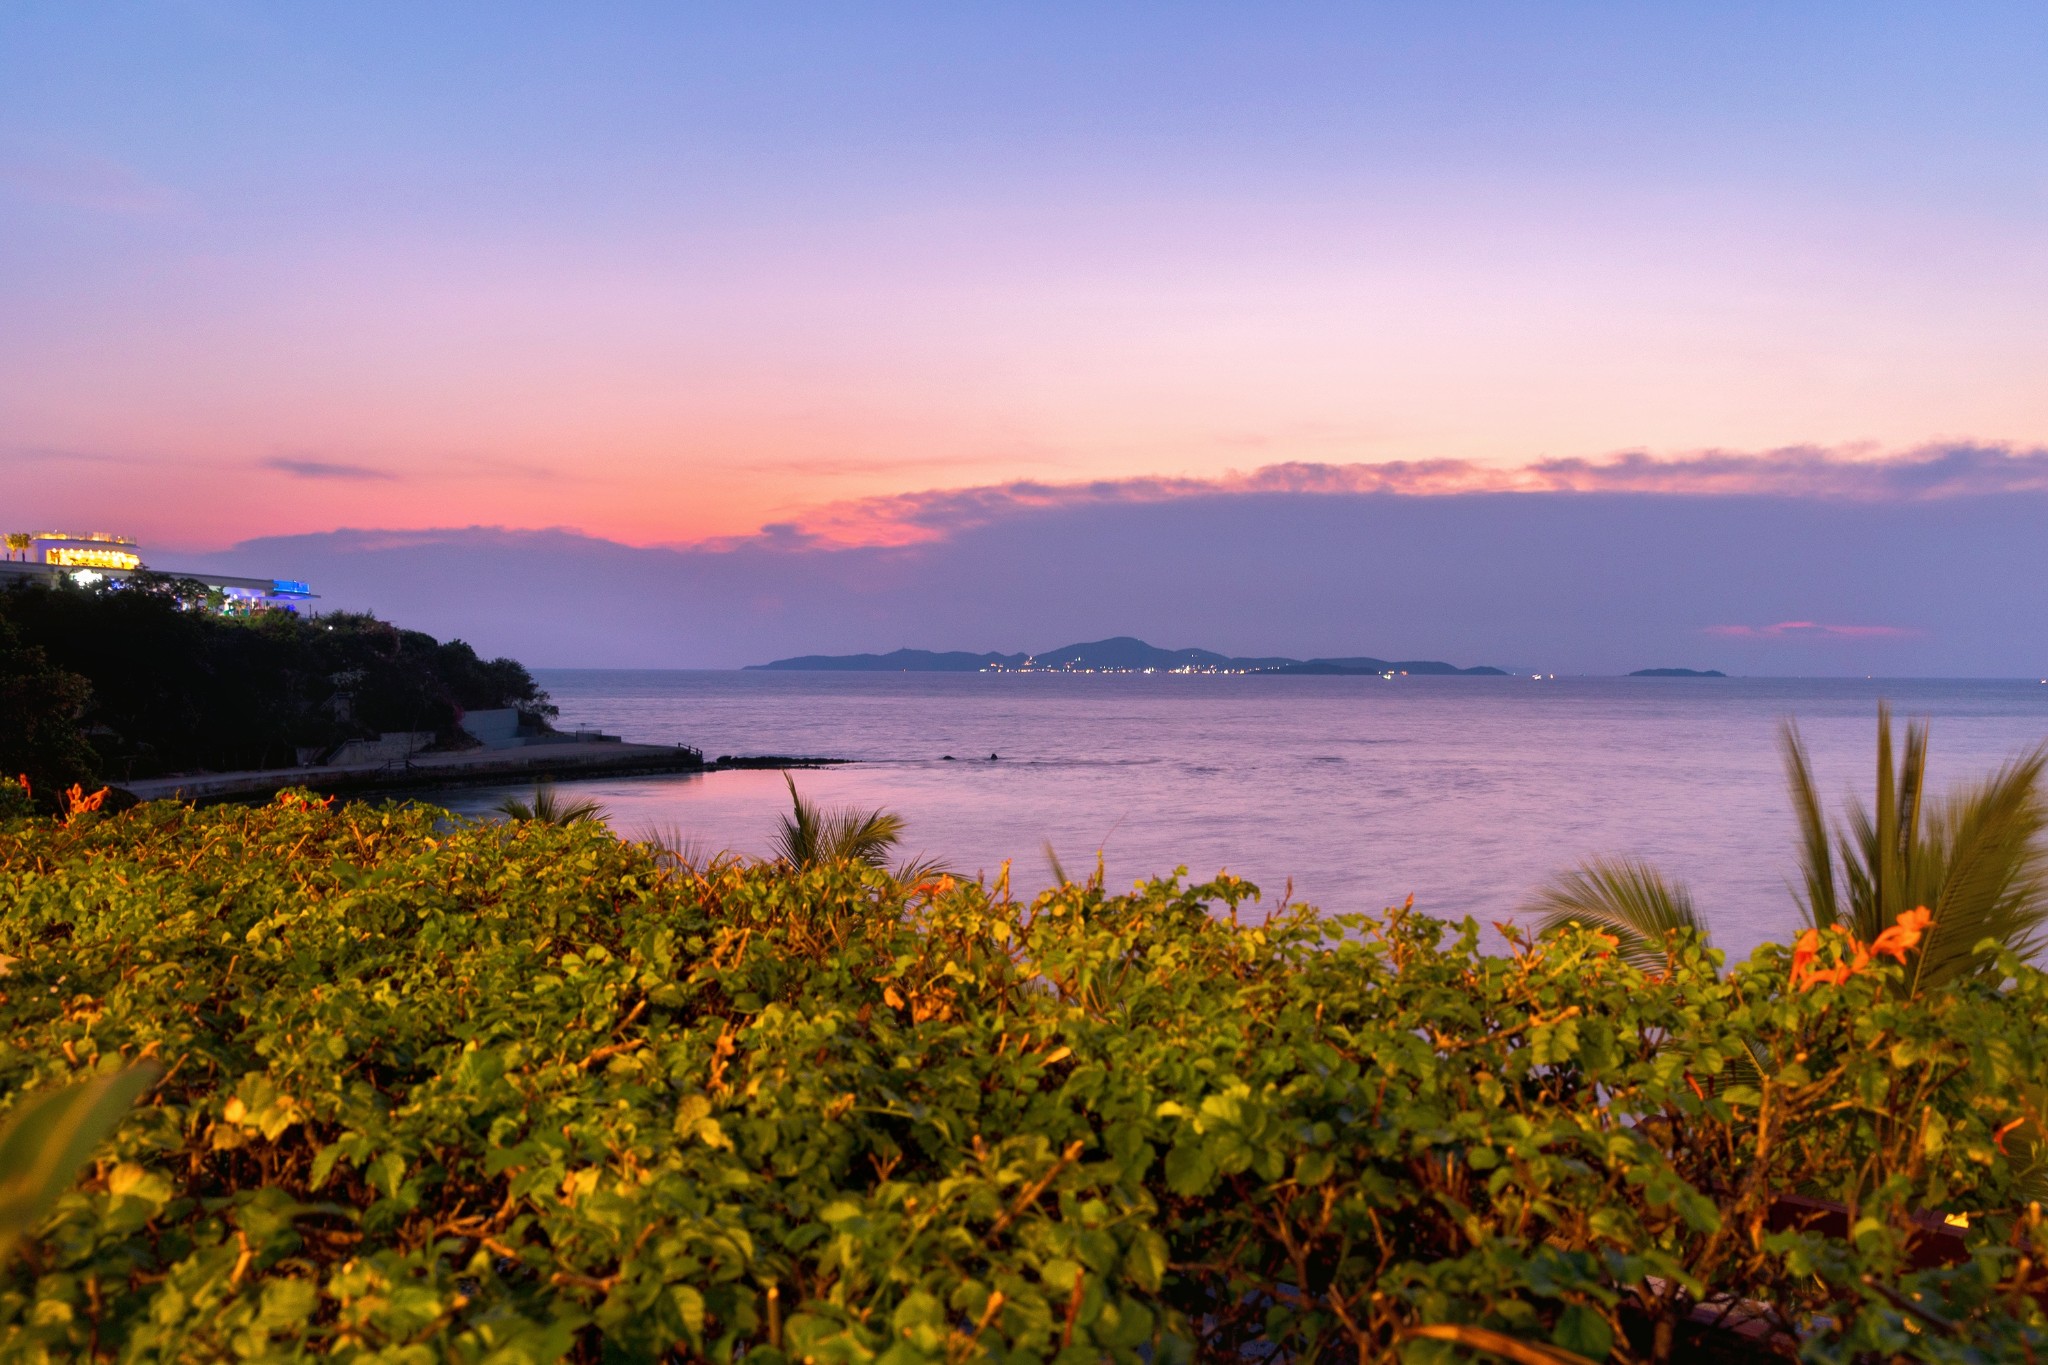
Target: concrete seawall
(562, 762)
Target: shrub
(442, 1090)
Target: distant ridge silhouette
(1118, 654)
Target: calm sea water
(1466, 792)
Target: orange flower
(1895, 942)
(1903, 936)
(76, 802)
(1804, 949)
(1823, 976)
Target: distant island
(1120, 654)
(1678, 673)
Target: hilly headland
(1118, 654)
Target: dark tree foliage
(175, 686)
(40, 709)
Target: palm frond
(1816, 844)
(1912, 794)
(854, 836)
(1884, 839)
(797, 834)
(911, 871)
(1985, 843)
(1052, 861)
(810, 836)
(1751, 1065)
(1625, 897)
(676, 851)
(546, 808)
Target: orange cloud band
(1926, 472)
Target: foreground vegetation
(115, 682)
(446, 1091)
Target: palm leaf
(1816, 844)
(1985, 843)
(676, 851)
(546, 808)
(1052, 861)
(920, 869)
(796, 837)
(810, 836)
(1913, 866)
(1625, 897)
(1883, 839)
(50, 1135)
(854, 836)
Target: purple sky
(1048, 281)
(1923, 574)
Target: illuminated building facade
(93, 557)
(92, 550)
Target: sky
(1873, 576)
(806, 284)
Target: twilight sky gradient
(670, 274)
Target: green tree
(1975, 858)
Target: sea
(1348, 793)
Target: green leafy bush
(439, 1090)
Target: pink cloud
(1926, 473)
(1811, 630)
